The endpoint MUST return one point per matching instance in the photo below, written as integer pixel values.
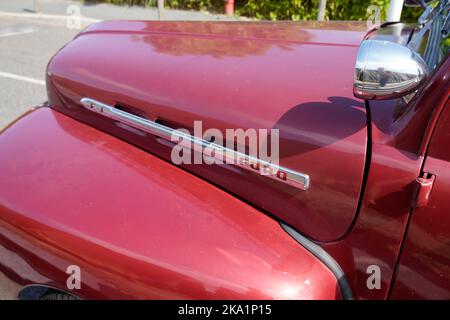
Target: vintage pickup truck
(356, 208)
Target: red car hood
(137, 227)
(295, 77)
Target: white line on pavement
(9, 32)
(43, 16)
(21, 78)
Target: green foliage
(284, 9)
(278, 10)
(308, 9)
(349, 10)
(210, 5)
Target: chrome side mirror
(386, 70)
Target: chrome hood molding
(288, 176)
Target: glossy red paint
(136, 225)
(424, 271)
(179, 76)
(295, 77)
(398, 132)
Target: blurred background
(280, 9)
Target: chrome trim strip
(290, 177)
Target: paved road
(26, 45)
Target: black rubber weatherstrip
(326, 259)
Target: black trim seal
(326, 259)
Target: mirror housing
(387, 70)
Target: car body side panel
(424, 270)
(137, 226)
(398, 131)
